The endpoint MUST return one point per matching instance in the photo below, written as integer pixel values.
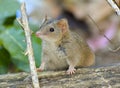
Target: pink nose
(38, 34)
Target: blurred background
(92, 19)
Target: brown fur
(64, 48)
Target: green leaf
(4, 60)
(7, 12)
(37, 49)
(8, 8)
(12, 36)
(9, 21)
(13, 41)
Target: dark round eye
(51, 29)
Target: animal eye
(51, 29)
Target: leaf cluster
(12, 40)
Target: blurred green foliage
(12, 40)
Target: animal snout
(38, 34)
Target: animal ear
(63, 25)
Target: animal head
(53, 31)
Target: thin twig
(117, 9)
(44, 21)
(24, 23)
(99, 29)
(20, 22)
(114, 6)
(115, 50)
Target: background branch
(114, 6)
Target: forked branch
(23, 21)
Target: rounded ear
(63, 25)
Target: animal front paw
(71, 70)
(39, 69)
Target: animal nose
(38, 34)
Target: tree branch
(102, 77)
(114, 6)
(24, 23)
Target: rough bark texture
(102, 77)
(25, 25)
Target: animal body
(63, 48)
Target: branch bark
(114, 6)
(102, 77)
(24, 23)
